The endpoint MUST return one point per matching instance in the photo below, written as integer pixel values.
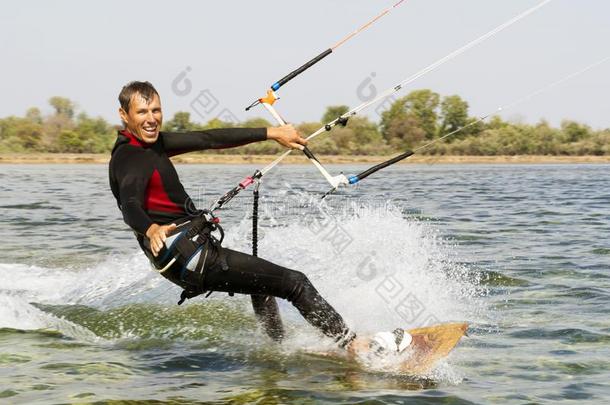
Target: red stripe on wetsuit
(156, 198)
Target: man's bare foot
(359, 346)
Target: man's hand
(157, 235)
(287, 136)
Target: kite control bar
(267, 102)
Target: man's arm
(176, 143)
(132, 173)
(132, 197)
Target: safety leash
(255, 195)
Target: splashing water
(379, 268)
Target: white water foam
(112, 283)
(394, 272)
(16, 313)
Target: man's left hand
(157, 234)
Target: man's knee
(297, 284)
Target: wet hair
(144, 89)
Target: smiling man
(158, 209)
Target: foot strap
(396, 341)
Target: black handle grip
(382, 165)
(300, 70)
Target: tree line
(409, 122)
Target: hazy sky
(87, 51)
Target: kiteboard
(429, 345)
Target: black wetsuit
(148, 190)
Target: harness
(186, 252)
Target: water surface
(521, 252)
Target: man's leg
(251, 275)
(268, 314)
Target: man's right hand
(286, 135)
(157, 234)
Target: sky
(213, 58)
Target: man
(156, 206)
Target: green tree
(33, 114)
(308, 128)
(405, 132)
(62, 106)
(324, 145)
(333, 112)
(256, 123)
(96, 134)
(453, 116)
(495, 122)
(70, 141)
(20, 134)
(217, 123)
(424, 104)
(367, 137)
(419, 106)
(180, 122)
(574, 131)
(53, 126)
(395, 113)
(320, 145)
(29, 134)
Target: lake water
(520, 252)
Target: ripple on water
(588, 367)
(8, 358)
(211, 361)
(38, 205)
(563, 352)
(566, 335)
(586, 293)
(576, 392)
(497, 279)
(8, 393)
(107, 370)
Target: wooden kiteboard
(430, 344)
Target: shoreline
(102, 158)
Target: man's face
(144, 118)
